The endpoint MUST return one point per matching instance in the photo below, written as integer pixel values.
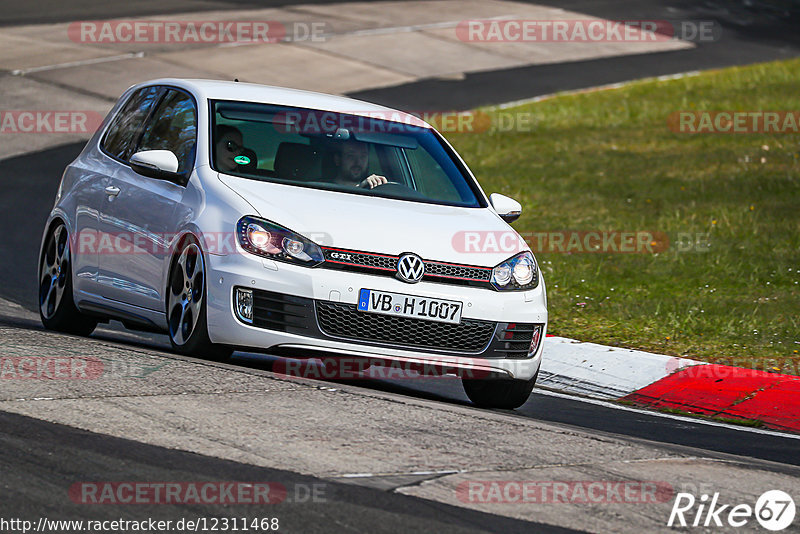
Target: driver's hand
(372, 181)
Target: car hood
(470, 236)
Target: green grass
(607, 161)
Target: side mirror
(159, 164)
(507, 208)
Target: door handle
(112, 191)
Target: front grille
(449, 270)
(386, 265)
(345, 321)
(485, 339)
(361, 259)
(513, 340)
(280, 312)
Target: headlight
(523, 271)
(270, 240)
(501, 275)
(518, 273)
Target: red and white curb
(667, 382)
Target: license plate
(443, 311)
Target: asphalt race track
(28, 444)
(746, 36)
(49, 11)
(750, 32)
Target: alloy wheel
(186, 293)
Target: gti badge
(410, 268)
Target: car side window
(122, 134)
(173, 127)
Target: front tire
(57, 308)
(186, 305)
(501, 393)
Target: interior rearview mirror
(507, 208)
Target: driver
(351, 160)
(227, 147)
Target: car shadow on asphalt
(302, 503)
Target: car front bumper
(320, 291)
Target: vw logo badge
(410, 268)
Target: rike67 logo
(774, 510)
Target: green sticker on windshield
(242, 160)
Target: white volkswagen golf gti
(234, 216)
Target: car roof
(284, 96)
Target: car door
(96, 171)
(141, 215)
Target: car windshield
(350, 153)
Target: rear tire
(57, 308)
(186, 305)
(500, 393)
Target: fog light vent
(535, 340)
(244, 304)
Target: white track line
(682, 418)
(93, 61)
(412, 473)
